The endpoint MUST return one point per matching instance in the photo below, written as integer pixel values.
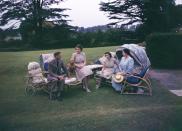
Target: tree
(154, 14)
(1, 34)
(177, 12)
(31, 11)
(158, 16)
(124, 12)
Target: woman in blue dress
(126, 65)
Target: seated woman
(101, 60)
(107, 70)
(125, 66)
(82, 72)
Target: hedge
(165, 50)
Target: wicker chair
(140, 81)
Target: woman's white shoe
(88, 90)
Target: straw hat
(118, 78)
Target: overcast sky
(85, 13)
(178, 1)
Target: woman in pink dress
(82, 72)
(107, 71)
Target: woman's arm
(104, 67)
(130, 65)
(72, 59)
(120, 68)
(85, 60)
(116, 63)
(65, 69)
(77, 65)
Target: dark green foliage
(110, 37)
(15, 45)
(124, 11)
(31, 11)
(32, 15)
(157, 14)
(154, 15)
(142, 31)
(64, 37)
(1, 35)
(165, 50)
(56, 37)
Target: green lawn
(102, 110)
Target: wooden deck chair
(94, 68)
(36, 81)
(140, 81)
(44, 61)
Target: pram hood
(138, 53)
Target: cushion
(46, 66)
(134, 80)
(33, 65)
(35, 72)
(70, 80)
(37, 80)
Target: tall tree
(158, 15)
(33, 11)
(155, 14)
(124, 12)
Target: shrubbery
(62, 38)
(13, 45)
(165, 50)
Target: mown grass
(103, 109)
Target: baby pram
(37, 81)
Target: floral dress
(83, 72)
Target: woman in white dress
(82, 72)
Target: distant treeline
(63, 37)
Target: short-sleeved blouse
(83, 72)
(109, 63)
(78, 58)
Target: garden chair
(139, 82)
(102, 81)
(46, 58)
(44, 61)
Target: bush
(165, 50)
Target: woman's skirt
(83, 72)
(106, 73)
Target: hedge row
(165, 50)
